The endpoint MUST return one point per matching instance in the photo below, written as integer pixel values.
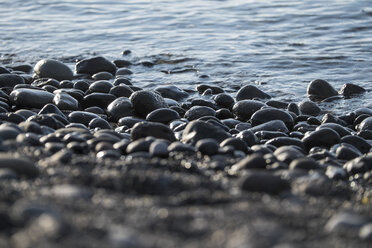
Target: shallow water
(281, 45)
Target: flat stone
(93, 65)
(30, 98)
(19, 165)
(50, 68)
(319, 89)
(81, 117)
(342, 131)
(250, 92)
(286, 141)
(101, 100)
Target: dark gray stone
(304, 164)
(172, 92)
(81, 117)
(359, 165)
(224, 100)
(10, 80)
(309, 108)
(323, 137)
(50, 68)
(65, 102)
(349, 90)
(93, 65)
(101, 100)
(365, 125)
(244, 109)
(121, 91)
(19, 165)
(30, 98)
(163, 115)
(196, 112)
(319, 89)
(360, 143)
(274, 125)
(264, 182)
(119, 108)
(145, 101)
(269, 114)
(197, 130)
(250, 92)
(207, 146)
(156, 130)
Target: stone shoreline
(89, 160)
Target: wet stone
(224, 100)
(103, 75)
(81, 117)
(304, 164)
(345, 222)
(101, 86)
(347, 152)
(163, 115)
(93, 65)
(365, 232)
(196, 112)
(99, 123)
(248, 137)
(253, 161)
(157, 130)
(269, 114)
(244, 109)
(349, 90)
(250, 92)
(145, 101)
(342, 131)
(274, 125)
(286, 141)
(119, 108)
(365, 125)
(293, 107)
(121, 91)
(65, 102)
(101, 100)
(359, 165)
(159, 148)
(207, 146)
(287, 154)
(238, 144)
(30, 98)
(49, 68)
(197, 130)
(10, 80)
(320, 89)
(309, 108)
(360, 143)
(323, 137)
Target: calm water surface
(280, 45)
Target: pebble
(197, 130)
(20, 165)
(319, 89)
(365, 125)
(99, 123)
(207, 146)
(274, 125)
(304, 164)
(101, 86)
(103, 75)
(70, 192)
(82, 117)
(95, 99)
(65, 102)
(10, 80)
(163, 115)
(342, 131)
(93, 65)
(159, 148)
(286, 141)
(224, 100)
(248, 137)
(237, 143)
(145, 101)
(121, 91)
(253, 161)
(309, 108)
(322, 137)
(172, 92)
(154, 129)
(348, 90)
(269, 114)
(347, 152)
(359, 165)
(293, 107)
(120, 107)
(50, 68)
(335, 173)
(360, 143)
(250, 92)
(196, 112)
(264, 182)
(244, 109)
(287, 154)
(30, 98)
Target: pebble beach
(221, 141)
